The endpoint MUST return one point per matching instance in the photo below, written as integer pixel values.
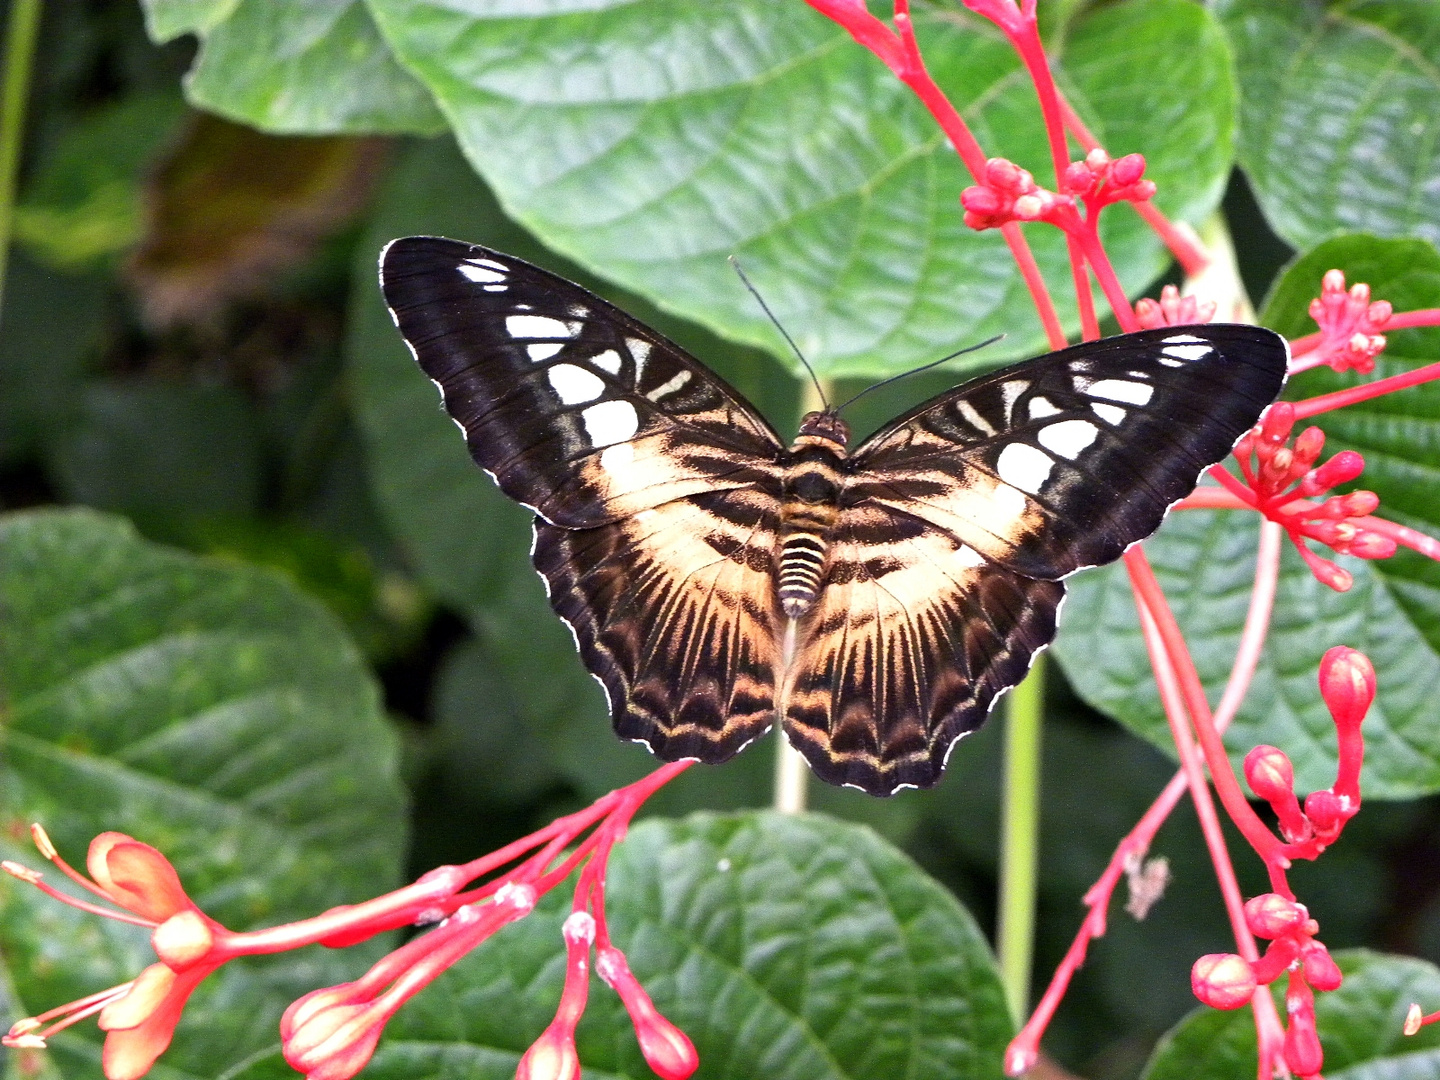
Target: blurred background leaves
(191, 339)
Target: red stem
(1265, 843)
(1365, 391)
(1192, 257)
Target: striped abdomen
(802, 560)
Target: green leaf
(295, 66)
(86, 201)
(783, 946)
(647, 141)
(1339, 115)
(1359, 1025)
(209, 710)
(1399, 434)
(1205, 562)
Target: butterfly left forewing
(1064, 461)
(578, 411)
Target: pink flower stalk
(1350, 326)
(553, 1056)
(1172, 309)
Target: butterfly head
(825, 425)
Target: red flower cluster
(1228, 981)
(1283, 480)
(1172, 309)
(1350, 326)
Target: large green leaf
(295, 66)
(792, 947)
(1359, 1027)
(1206, 563)
(208, 709)
(1339, 114)
(1399, 434)
(647, 141)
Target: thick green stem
(1019, 839)
(20, 38)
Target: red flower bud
(1277, 423)
(1308, 445)
(1302, 1042)
(1340, 469)
(1222, 980)
(667, 1049)
(1269, 915)
(1372, 545)
(1128, 169)
(1321, 971)
(1326, 814)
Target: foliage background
(192, 341)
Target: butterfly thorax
(814, 478)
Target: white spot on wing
(574, 384)
(1009, 391)
(1010, 503)
(640, 350)
(1069, 437)
(480, 274)
(539, 326)
(542, 350)
(670, 385)
(1120, 390)
(973, 418)
(1182, 339)
(1041, 407)
(1170, 363)
(1111, 414)
(610, 422)
(1187, 352)
(1023, 466)
(609, 360)
(968, 557)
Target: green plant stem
(1019, 839)
(20, 38)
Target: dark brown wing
(674, 610)
(910, 642)
(577, 410)
(1066, 460)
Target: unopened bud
(1321, 971)
(1097, 159)
(1277, 423)
(1373, 545)
(1222, 980)
(1327, 573)
(1414, 1019)
(1308, 445)
(1302, 1043)
(1269, 915)
(1360, 503)
(1379, 313)
(1269, 772)
(1325, 814)
(1029, 207)
(982, 200)
(551, 1057)
(667, 1049)
(1006, 175)
(1077, 179)
(1128, 169)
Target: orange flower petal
(140, 1002)
(129, 1054)
(99, 849)
(142, 880)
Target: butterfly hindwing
(673, 609)
(578, 411)
(910, 643)
(1064, 461)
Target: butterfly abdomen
(808, 513)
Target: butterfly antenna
(735, 263)
(916, 371)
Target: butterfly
(874, 601)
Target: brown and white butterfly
(874, 602)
